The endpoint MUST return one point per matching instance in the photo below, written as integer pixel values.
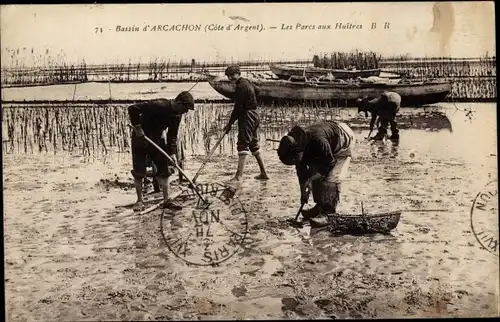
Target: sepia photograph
(236, 161)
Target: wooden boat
(339, 93)
(363, 224)
(285, 72)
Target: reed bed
(474, 89)
(340, 60)
(84, 130)
(44, 70)
(30, 68)
(42, 76)
(473, 79)
(102, 130)
(90, 130)
(442, 68)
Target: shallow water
(96, 91)
(70, 254)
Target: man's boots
(395, 133)
(394, 130)
(321, 221)
(380, 135)
(316, 216)
(394, 136)
(311, 213)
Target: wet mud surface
(70, 254)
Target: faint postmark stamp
(484, 217)
(202, 235)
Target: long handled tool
(370, 133)
(294, 222)
(158, 205)
(300, 210)
(175, 164)
(209, 156)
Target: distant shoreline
(210, 100)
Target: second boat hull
(340, 94)
(285, 72)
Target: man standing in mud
(321, 153)
(150, 119)
(245, 112)
(385, 107)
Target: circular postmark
(484, 217)
(205, 234)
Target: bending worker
(245, 112)
(151, 118)
(385, 107)
(321, 153)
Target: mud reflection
(276, 122)
(384, 149)
(103, 130)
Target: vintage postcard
(249, 161)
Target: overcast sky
(458, 29)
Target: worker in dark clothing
(321, 154)
(150, 164)
(245, 112)
(151, 118)
(385, 107)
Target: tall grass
(81, 129)
(91, 130)
(341, 60)
(28, 68)
(101, 129)
(43, 69)
(442, 68)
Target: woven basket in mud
(364, 224)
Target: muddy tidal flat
(73, 253)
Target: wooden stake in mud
(209, 156)
(158, 205)
(294, 222)
(191, 184)
(370, 133)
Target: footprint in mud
(239, 291)
(253, 268)
(114, 184)
(325, 305)
(293, 305)
(289, 304)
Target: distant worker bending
(385, 107)
(321, 153)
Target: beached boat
(285, 72)
(341, 93)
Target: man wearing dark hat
(245, 112)
(321, 153)
(385, 107)
(152, 118)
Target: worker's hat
(231, 70)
